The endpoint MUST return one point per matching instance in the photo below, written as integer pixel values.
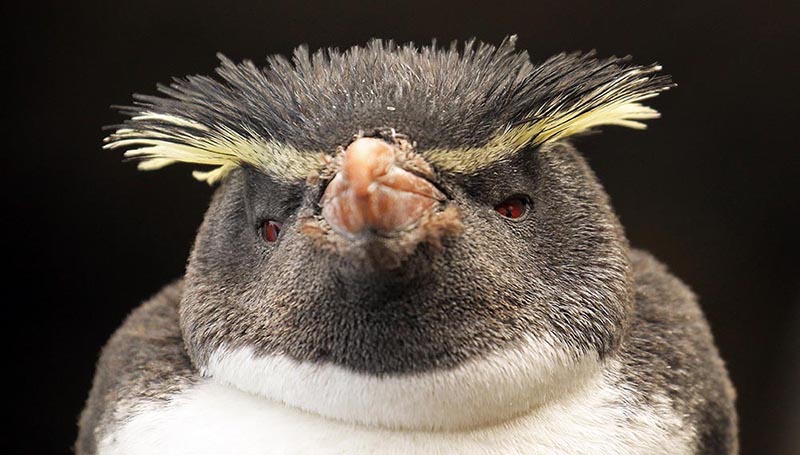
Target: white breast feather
(591, 415)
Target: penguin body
(405, 255)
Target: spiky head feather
(464, 107)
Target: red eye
(270, 230)
(513, 207)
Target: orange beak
(371, 192)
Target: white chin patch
(208, 418)
(482, 391)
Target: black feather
(453, 98)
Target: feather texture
(465, 107)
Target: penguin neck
(483, 391)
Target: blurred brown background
(712, 188)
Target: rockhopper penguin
(406, 255)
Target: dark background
(711, 189)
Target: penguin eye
(513, 207)
(269, 230)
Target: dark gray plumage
(442, 97)
(460, 285)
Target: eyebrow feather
(580, 107)
(274, 118)
(187, 141)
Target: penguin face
(525, 248)
(399, 210)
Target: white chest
(211, 418)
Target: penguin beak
(371, 193)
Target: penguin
(405, 253)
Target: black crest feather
(464, 106)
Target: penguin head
(394, 210)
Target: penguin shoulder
(143, 362)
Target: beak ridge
(371, 192)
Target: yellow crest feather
(614, 103)
(225, 149)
